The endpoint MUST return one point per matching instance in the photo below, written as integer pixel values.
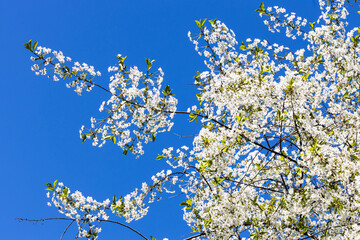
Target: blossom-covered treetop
(277, 155)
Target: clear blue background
(40, 119)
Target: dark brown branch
(269, 149)
(254, 186)
(72, 219)
(195, 236)
(66, 229)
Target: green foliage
(200, 23)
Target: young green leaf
(35, 45)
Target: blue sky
(41, 118)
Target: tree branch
(73, 219)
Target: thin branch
(195, 236)
(42, 219)
(121, 224)
(182, 136)
(66, 229)
(270, 150)
(254, 186)
(72, 219)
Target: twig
(195, 236)
(182, 136)
(72, 219)
(66, 229)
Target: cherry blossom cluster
(132, 206)
(280, 158)
(277, 18)
(86, 211)
(220, 43)
(138, 109)
(55, 62)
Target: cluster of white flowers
(281, 159)
(278, 18)
(86, 211)
(138, 109)
(132, 206)
(55, 61)
(278, 154)
(220, 45)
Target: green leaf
(243, 47)
(35, 45)
(152, 238)
(65, 191)
(306, 76)
(49, 187)
(254, 201)
(203, 22)
(200, 23)
(149, 63)
(167, 91)
(125, 151)
(217, 180)
(187, 204)
(28, 45)
(121, 59)
(261, 8)
(312, 24)
(239, 118)
(167, 88)
(113, 139)
(213, 21)
(192, 117)
(55, 182)
(159, 157)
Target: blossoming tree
(277, 156)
